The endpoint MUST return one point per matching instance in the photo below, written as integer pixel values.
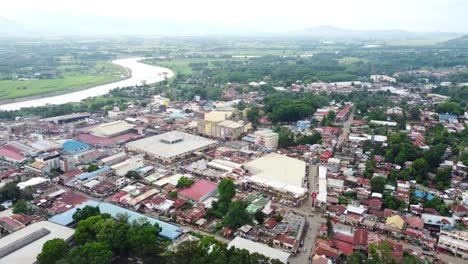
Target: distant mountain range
(460, 42)
(62, 25)
(330, 32)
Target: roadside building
(278, 175)
(255, 247)
(199, 191)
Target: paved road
(347, 126)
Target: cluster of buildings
(133, 161)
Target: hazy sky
(267, 15)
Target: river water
(140, 72)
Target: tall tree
(87, 211)
(91, 253)
(378, 184)
(52, 251)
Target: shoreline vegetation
(128, 75)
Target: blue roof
(419, 194)
(89, 175)
(178, 115)
(168, 231)
(74, 145)
(430, 196)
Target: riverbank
(128, 75)
(139, 73)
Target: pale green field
(72, 80)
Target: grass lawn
(182, 66)
(349, 60)
(71, 81)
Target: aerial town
(234, 132)
(375, 178)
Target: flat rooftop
(277, 167)
(170, 144)
(255, 247)
(30, 240)
(111, 129)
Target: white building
(132, 163)
(455, 242)
(23, 246)
(170, 146)
(279, 175)
(267, 139)
(255, 247)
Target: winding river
(140, 72)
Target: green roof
(261, 202)
(252, 208)
(250, 198)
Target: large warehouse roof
(168, 231)
(24, 245)
(111, 129)
(170, 144)
(255, 247)
(278, 167)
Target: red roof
(24, 219)
(415, 222)
(195, 214)
(285, 239)
(375, 203)
(198, 190)
(12, 223)
(71, 173)
(459, 208)
(11, 154)
(270, 223)
(73, 198)
(94, 140)
(328, 251)
(345, 247)
(343, 112)
(343, 237)
(327, 154)
(360, 237)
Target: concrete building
(255, 247)
(114, 159)
(67, 163)
(170, 146)
(132, 163)
(23, 246)
(266, 139)
(455, 242)
(111, 129)
(226, 129)
(278, 175)
(67, 118)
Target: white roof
(92, 183)
(255, 247)
(322, 194)
(384, 123)
(355, 209)
(171, 144)
(173, 179)
(114, 157)
(28, 253)
(276, 167)
(112, 128)
(32, 182)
